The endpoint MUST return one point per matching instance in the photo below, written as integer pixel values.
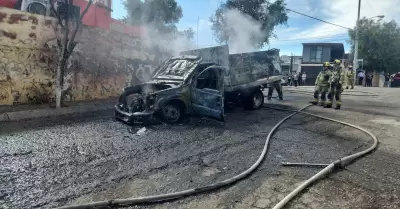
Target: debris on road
(141, 131)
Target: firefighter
(350, 78)
(336, 83)
(275, 85)
(322, 84)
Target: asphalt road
(54, 162)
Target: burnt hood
(177, 68)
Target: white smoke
(244, 31)
(172, 43)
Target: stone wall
(103, 63)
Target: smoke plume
(171, 43)
(244, 32)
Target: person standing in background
(368, 80)
(350, 78)
(360, 77)
(303, 78)
(387, 80)
(289, 78)
(295, 78)
(299, 79)
(371, 77)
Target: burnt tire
(171, 113)
(255, 100)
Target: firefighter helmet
(326, 64)
(350, 67)
(337, 61)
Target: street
(75, 159)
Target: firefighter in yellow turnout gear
(350, 78)
(336, 83)
(322, 84)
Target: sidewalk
(24, 112)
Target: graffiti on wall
(102, 64)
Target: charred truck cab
(200, 82)
(182, 85)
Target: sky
(299, 29)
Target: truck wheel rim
(257, 100)
(171, 113)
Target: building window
(316, 54)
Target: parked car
(191, 84)
(395, 80)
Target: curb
(51, 112)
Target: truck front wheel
(255, 100)
(171, 113)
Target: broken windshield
(177, 69)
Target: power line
(314, 37)
(320, 40)
(319, 19)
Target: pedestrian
(289, 76)
(295, 78)
(360, 78)
(303, 78)
(366, 84)
(275, 85)
(336, 83)
(387, 80)
(299, 79)
(370, 78)
(350, 78)
(322, 84)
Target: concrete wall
(103, 63)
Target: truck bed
(244, 70)
(258, 82)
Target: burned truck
(200, 82)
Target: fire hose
(324, 172)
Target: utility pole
(355, 61)
(291, 64)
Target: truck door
(207, 93)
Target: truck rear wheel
(255, 100)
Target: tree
(160, 14)
(265, 14)
(379, 45)
(69, 20)
(188, 34)
(159, 18)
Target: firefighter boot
(314, 102)
(322, 103)
(338, 105)
(328, 104)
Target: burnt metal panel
(249, 67)
(218, 54)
